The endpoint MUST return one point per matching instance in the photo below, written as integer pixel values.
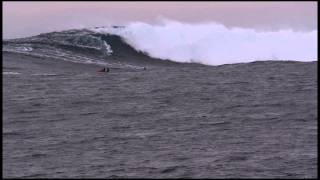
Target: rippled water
(231, 121)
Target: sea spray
(215, 44)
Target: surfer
(104, 70)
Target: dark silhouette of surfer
(104, 70)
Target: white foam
(10, 73)
(27, 49)
(44, 74)
(107, 48)
(215, 44)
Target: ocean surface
(62, 119)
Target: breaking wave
(215, 44)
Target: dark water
(255, 120)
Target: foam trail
(14, 73)
(215, 44)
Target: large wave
(215, 44)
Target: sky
(22, 19)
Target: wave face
(215, 44)
(81, 46)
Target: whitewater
(215, 44)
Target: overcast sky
(21, 19)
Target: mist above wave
(215, 44)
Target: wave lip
(215, 44)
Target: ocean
(149, 117)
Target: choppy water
(231, 121)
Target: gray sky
(21, 19)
